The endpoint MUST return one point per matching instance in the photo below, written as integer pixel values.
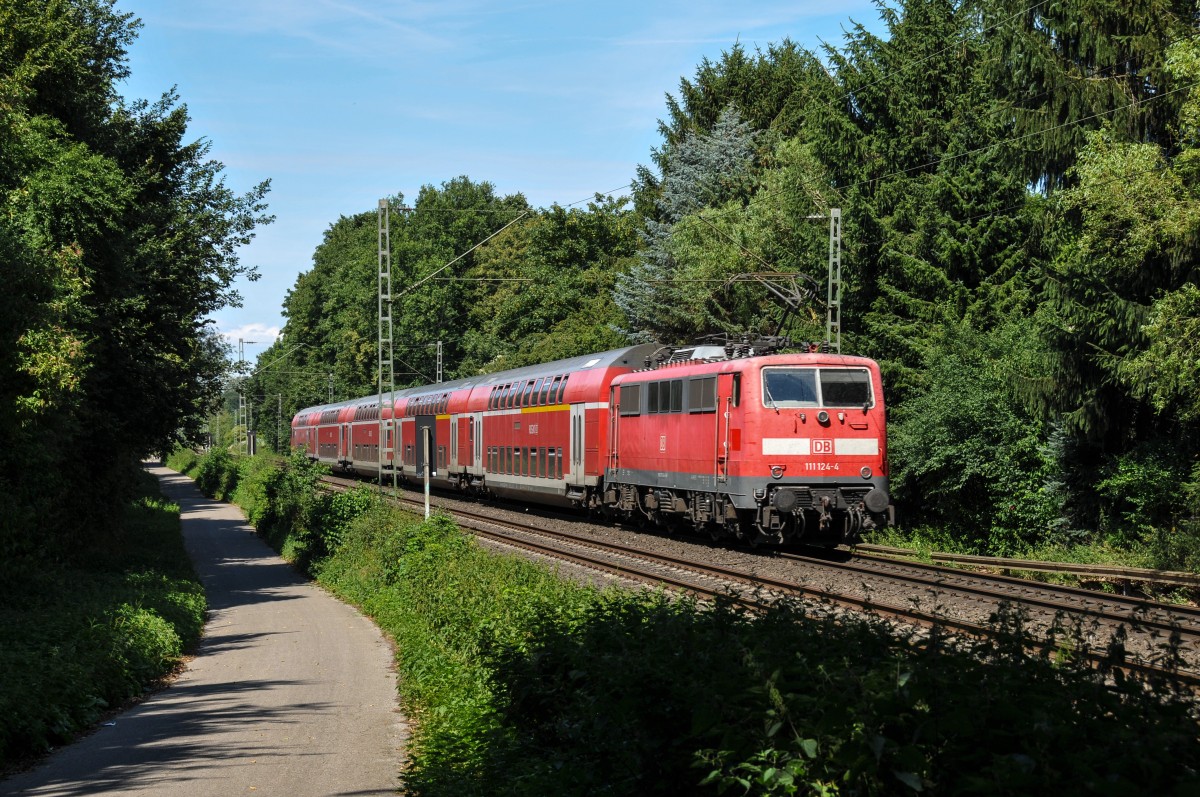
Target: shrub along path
(291, 692)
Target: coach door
(576, 476)
(426, 444)
(462, 446)
(344, 442)
(477, 442)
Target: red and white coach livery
(732, 441)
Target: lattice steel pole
(833, 315)
(387, 370)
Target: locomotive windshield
(813, 387)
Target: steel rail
(1114, 609)
(1169, 577)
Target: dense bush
(217, 474)
(78, 639)
(969, 460)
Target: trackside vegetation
(78, 639)
(522, 682)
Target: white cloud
(257, 333)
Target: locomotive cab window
(845, 387)
(813, 387)
(789, 387)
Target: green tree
(119, 239)
(552, 297)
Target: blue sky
(342, 102)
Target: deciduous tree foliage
(539, 288)
(118, 238)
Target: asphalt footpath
(290, 693)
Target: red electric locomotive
(731, 441)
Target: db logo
(822, 446)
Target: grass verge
(79, 638)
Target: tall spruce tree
(934, 229)
(702, 171)
(1061, 68)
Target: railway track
(1138, 574)
(1163, 641)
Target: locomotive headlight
(865, 473)
(777, 471)
(823, 417)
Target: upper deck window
(816, 387)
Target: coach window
(561, 389)
(631, 399)
(560, 463)
(527, 393)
